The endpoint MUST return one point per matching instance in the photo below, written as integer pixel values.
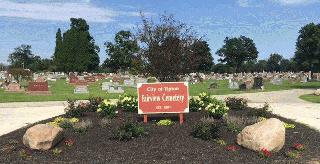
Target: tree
(308, 48)
(122, 52)
(285, 65)
(273, 63)
(261, 66)
(78, 52)
(168, 48)
(22, 57)
(236, 51)
(203, 57)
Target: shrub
(107, 109)
(152, 80)
(237, 123)
(293, 154)
(165, 122)
(128, 103)
(74, 110)
(82, 126)
(261, 112)
(63, 122)
(129, 130)
(213, 106)
(94, 103)
(206, 129)
(105, 122)
(236, 103)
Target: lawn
(311, 98)
(62, 91)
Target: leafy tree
(78, 52)
(248, 66)
(20, 73)
(168, 48)
(285, 65)
(308, 48)
(261, 66)
(122, 52)
(236, 51)
(273, 63)
(203, 56)
(22, 57)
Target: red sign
(163, 98)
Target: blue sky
(272, 24)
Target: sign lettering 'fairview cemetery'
(167, 97)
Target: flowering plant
(128, 103)
(213, 106)
(69, 142)
(298, 147)
(289, 126)
(232, 148)
(107, 109)
(293, 154)
(265, 153)
(61, 121)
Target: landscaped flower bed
(124, 138)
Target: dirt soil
(173, 144)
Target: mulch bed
(172, 144)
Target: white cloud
(295, 2)
(58, 11)
(243, 3)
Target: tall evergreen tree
(58, 56)
(78, 52)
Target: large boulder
(268, 134)
(317, 92)
(42, 137)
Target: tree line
(165, 49)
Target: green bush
(74, 110)
(93, 104)
(128, 103)
(129, 131)
(107, 109)
(82, 126)
(165, 122)
(261, 112)
(235, 103)
(194, 105)
(206, 129)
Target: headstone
(38, 88)
(276, 81)
(128, 82)
(105, 86)
(80, 89)
(233, 84)
(115, 89)
(258, 83)
(13, 87)
(40, 79)
(90, 79)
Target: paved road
(284, 103)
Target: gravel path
(284, 103)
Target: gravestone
(129, 82)
(105, 86)
(233, 84)
(73, 79)
(81, 89)
(90, 79)
(40, 79)
(115, 89)
(141, 80)
(13, 87)
(258, 83)
(276, 81)
(38, 88)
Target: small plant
(205, 130)
(73, 110)
(165, 122)
(265, 153)
(69, 142)
(93, 104)
(128, 103)
(63, 122)
(82, 126)
(25, 153)
(220, 142)
(237, 123)
(107, 109)
(232, 148)
(235, 103)
(293, 154)
(128, 131)
(105, 122)
(261, 112)
(299, 147)
(56, 151)
(289, 126)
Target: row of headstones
(256, 83)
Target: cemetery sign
(167, 97)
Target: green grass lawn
(62, 91)
(311, 98)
